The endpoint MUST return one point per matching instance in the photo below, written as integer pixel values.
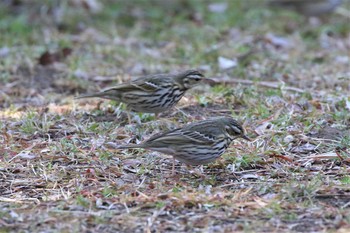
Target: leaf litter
(58, 171)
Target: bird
(309, 7)
(153, 93)
(197, 143)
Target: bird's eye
(195, 77)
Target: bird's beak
(209, 81)
(246, 138)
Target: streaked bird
(153, 93)
(198, 143)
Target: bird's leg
(182, 112)
(198, 173)
(120, 112)
(189, 168)
(129, 118)
(173, 167)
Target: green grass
(74, 180)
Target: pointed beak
(209, 81)
(246, 138)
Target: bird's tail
(111, 93)
(99, 94)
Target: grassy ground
(289, 83)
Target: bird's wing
(152, 83)
(181, 137)
(130, 87)
(149, 83)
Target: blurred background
(50, 49)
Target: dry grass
(59, 172)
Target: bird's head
(190, 78)
(234, 129)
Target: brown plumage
(198, 143)
(151, 94)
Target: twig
(126, 208)
(332, 195)
(281, 157)
(328, 155)
(260, 83)
(152, 219)
(346, 205)
(240, 183)
(324, 139)
(21, 200)
(76, 212)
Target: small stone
(288, 139)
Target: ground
(284, 75)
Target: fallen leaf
(217, 7)
(48, 58)
(277, 41)
(225, 63)
(4, 51)
(250, 176)
(281, 157)
(304, 149)
(261, 129)
(26, 155)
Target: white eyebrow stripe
(194, 76)
(236, 129)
